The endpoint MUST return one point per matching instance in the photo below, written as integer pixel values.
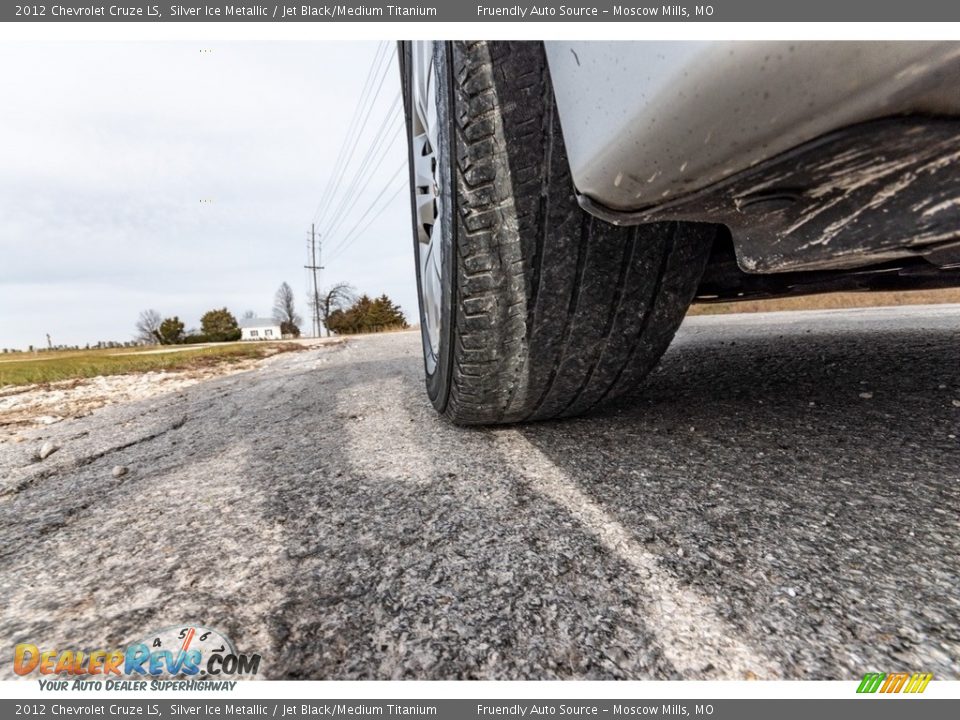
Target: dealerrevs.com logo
(186, 651)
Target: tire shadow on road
(807, 482)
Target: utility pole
(314, 266)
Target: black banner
(482, 11)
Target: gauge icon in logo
(181, 639)
(190, 650)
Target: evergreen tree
(367, 315)
(220, 326)
(170, 332)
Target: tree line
(338, 307)
(366, 315)
(99, 345)
(218, 325)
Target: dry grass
(48, 367)
(832, 301)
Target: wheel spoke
(426, 151)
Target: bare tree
(337, 297)
(249, 315)
(148, 327)
(285, 311)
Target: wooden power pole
(314, 267)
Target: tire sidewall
(438, 381)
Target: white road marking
(692, 634)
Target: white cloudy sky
(106, 151)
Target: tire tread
(556, 312)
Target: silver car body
(648, 122)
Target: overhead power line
(378, 151)
(370, 214)
(357, 166)
(361, 102)
(379, 212)
(353, 138)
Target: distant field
(832, 301)
(47, 367)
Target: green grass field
(48, 367)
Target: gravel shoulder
(34, 406)
(782, 500)
(39, 405)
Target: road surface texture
(782, 500)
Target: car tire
(531, 308)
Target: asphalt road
(781, 501)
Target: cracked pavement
(780, 500)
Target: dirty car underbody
(873, 206)
(830, 165)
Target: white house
(259, 329)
